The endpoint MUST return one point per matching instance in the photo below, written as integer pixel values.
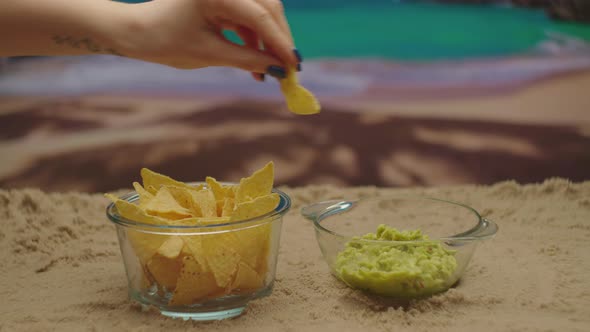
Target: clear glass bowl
(154, 287)
(397, 268)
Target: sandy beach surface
(62, 270)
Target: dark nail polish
(262, 77)
(298, 67)
(276, 71)
(298, 55)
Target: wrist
(117, 27)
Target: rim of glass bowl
(131, 197)
(484, 228)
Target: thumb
(226, 53)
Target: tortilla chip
(193, 284)
(165, 270)
(193, 244)
(183, 196)
(145, 245)
(255, 208)
(153, 181)
(134, 213)
(171, 248)
(258, 184)
(144, 195)
(231, 191)
(164, 205)
(204, 203)
(229, 205)
(252, 242)
(299, 100)
(221, 255)
(219, 191)
(246, 279)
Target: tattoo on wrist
(83, 43)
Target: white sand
(62, 270)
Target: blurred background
(423, 93)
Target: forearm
(63, 27)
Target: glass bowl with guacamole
(398, 246)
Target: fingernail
(298, 67)
(276, 71)
(262, 77)
(298, 55)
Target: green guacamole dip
(404, 270)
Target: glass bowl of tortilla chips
(405, 247)
(200, 251)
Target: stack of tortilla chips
(219, 260)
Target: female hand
(188, 34)
(178, 33)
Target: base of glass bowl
(197, 312)
(215, 309)
(205, 316)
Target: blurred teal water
(423, 31)
(417, 31)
